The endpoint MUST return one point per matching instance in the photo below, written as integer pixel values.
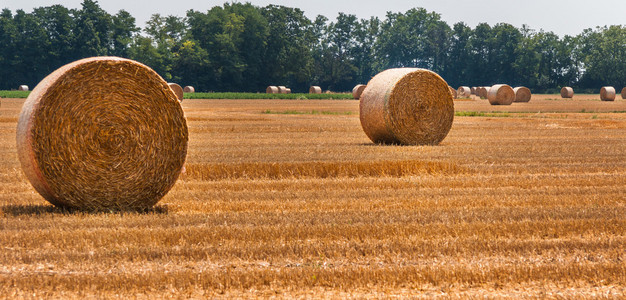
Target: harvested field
(526, 200)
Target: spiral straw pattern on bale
(178, 90)
(483, 91)
(407, 106)
(22, 88)
(607, 93)
(501, 94)
(567, 92)
(464, 92)
(189, 89)
(357, 91)
(102, 133)
(315, 90)
(271, 90)
(522, 94)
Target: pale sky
(559, 16)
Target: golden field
(289, 198)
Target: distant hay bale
(464, 92)
(473, 90)
(501, 94)
(22, 87)
(522, 94)
(567, 92)
(189, 89)
(287, 91)
(102, 133)
(624, 93)
(178, 91)
(607, 93)
(357, 91)
(271, 90)
(407, 106)
(483, 91)
(282, 89)
(315, 90)
(453, 92)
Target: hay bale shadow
(35, 210)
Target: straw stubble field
(277, 200)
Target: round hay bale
(22, 87)
(624, 93)
(453, 92)
(287, 91)
(178, 91)
(189, 89)
(501, 94)
(282, 89)
(522, 94)
(315, 90)
(473, 89)
(407, 106)
(484, 92)
(357, 91)
(271, 90)
(464, 92)
(607, 93)
(567, 92)
(102, 133)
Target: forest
(240, 47)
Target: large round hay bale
(501, 94)
(315, 90)
(607, 93)
(357, 91)
(282, 89)
(178, 90)
(407, 106)
(567, 92)
(189, 89)
(22, 87)
(271, 90)
(522, 94)
(102, 133)
(464, 92)
(453, 92)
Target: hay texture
(357, 91)
(522, 94)
(407, 106)
(567, 92)
(22, 88)
(453, 92)
(474, 90)
(271, 90)
(282, 89)
(178, 90)
(464, 92)
(102, 133)
(315, 90)
(189, 89)
(482, 92)
(624, 93)
(501, 94)
(607, 93)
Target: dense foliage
(244, 48)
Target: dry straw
(282, 89)
(482, 92)
(271, 90)
(189, 89)
(178, 91)
(357, 91)
(501, 94)
(474, 89)
(624, 93)
(607, 93)
(567, 92)
(22, 87)
(453, 92)
(102, 133)
(407, 106)
(315, 90)
(287, 91)
(522, 94)
(464, 92)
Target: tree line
(239, 47)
